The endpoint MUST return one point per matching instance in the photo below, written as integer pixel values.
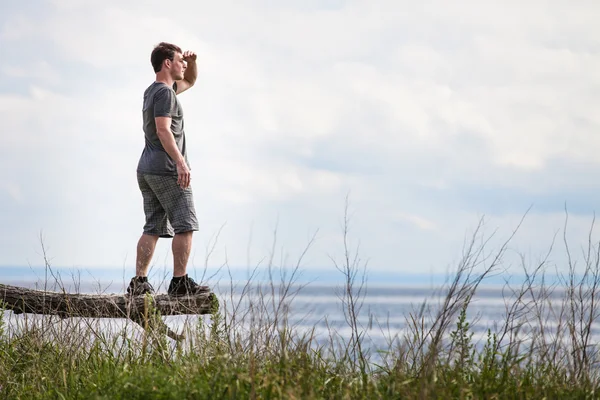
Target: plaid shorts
(169, 209)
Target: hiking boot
(139, 286)
(185, 286)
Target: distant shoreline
(114, 277)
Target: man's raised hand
(189, 56)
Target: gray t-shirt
(161, 101)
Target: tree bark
(139, 309)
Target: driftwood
(143, 310)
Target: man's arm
(190, 74)
(163, 130)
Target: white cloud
(42, 71)
(14, 191)
(417, 221)
(405, 105)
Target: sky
(422, 117)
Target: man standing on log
(163, 171)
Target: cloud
(14, 191)
(417, 221)
(429, 114)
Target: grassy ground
(543, 348)
(81, 365)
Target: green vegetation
(77, 362)
(543, 348)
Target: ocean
(317, 306)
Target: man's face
(178, 66)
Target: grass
(543, 347)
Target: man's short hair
(162, 52)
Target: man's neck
(165, 78)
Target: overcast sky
(428, 114)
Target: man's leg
(179, 206)
(181, 247)
(145, 251)
(182, 284)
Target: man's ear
(167, 63)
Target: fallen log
(139, 309)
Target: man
(163, 171)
